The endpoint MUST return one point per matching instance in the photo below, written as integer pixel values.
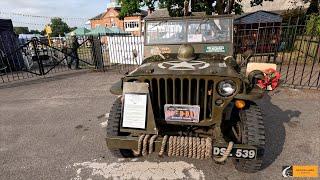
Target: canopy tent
(117, 30)
(100, 30)
(79, 31)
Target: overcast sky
(71, 8)
(61, 8)
(83, 9)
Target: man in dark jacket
(73, 46)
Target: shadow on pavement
(274, 120)
(42, 79)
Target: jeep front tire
(253, 133)
(113, 129)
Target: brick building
(133, 24)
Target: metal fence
(288, 44)
(295, 51)
(30, 58)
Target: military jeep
(189, 97)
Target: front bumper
(128, 142)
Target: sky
(61, 8)
(84, 9)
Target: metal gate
(295, 51)
(35, 57)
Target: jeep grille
(193, 91)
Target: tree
(313, 25)
(59, 27)
(72, 29)
(294, 16)
(175, 7)
(314, 7)
(162, 4)
(34, 32)
(129, 7)
(21, 30)
(150, 4)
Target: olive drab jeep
(189, 97)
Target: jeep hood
(168, 64)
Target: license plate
(236, 152)
(181, 112)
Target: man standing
(73, 45)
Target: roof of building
(101, 15)
(258, 17)
(159, 13)
(98, 16)
(164, 13)
(141, 13)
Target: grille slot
(180, 91)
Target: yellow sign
(48, 29)
(305, 171)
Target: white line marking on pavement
(104, 124)
(139, 170)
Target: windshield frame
(187, 21)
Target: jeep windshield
(213, 30)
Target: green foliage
(238, 7)
(21, 30)
(202, 5)
(313, 25)
(175, 7)
(162, 4)
(294, 16)
(314, 7)
(150, 4)
(59, 27)
(129, 7)
(35, 32)
(256, 2)
(72, 29)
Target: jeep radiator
(189, 91)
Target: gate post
(97, 52)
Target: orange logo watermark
(300, 171)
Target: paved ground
(52, 129)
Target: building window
(113, 24)
(131, 25)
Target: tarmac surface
(54, 128)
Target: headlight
(226, 88)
